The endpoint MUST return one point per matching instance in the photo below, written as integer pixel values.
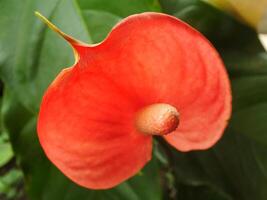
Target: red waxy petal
(86, 131)
(86, 121)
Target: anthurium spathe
(152, 75)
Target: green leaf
(32, 56)
(6, 153)
(232, 167)
(249, 82)
(174, 6)
(121, 8)
(253, 120)
(9, 185)
(201, 192)
(242, 64)
(100, 23)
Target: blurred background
(31, 56)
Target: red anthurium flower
(152, 75)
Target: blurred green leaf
(173, 6)
(9, 185)
(100, 23)
(255, 125)
(31, 56)
(6, 153)
(121, 8)
(246, 64)
(201, 192)
(249, 81)
(233, 167)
